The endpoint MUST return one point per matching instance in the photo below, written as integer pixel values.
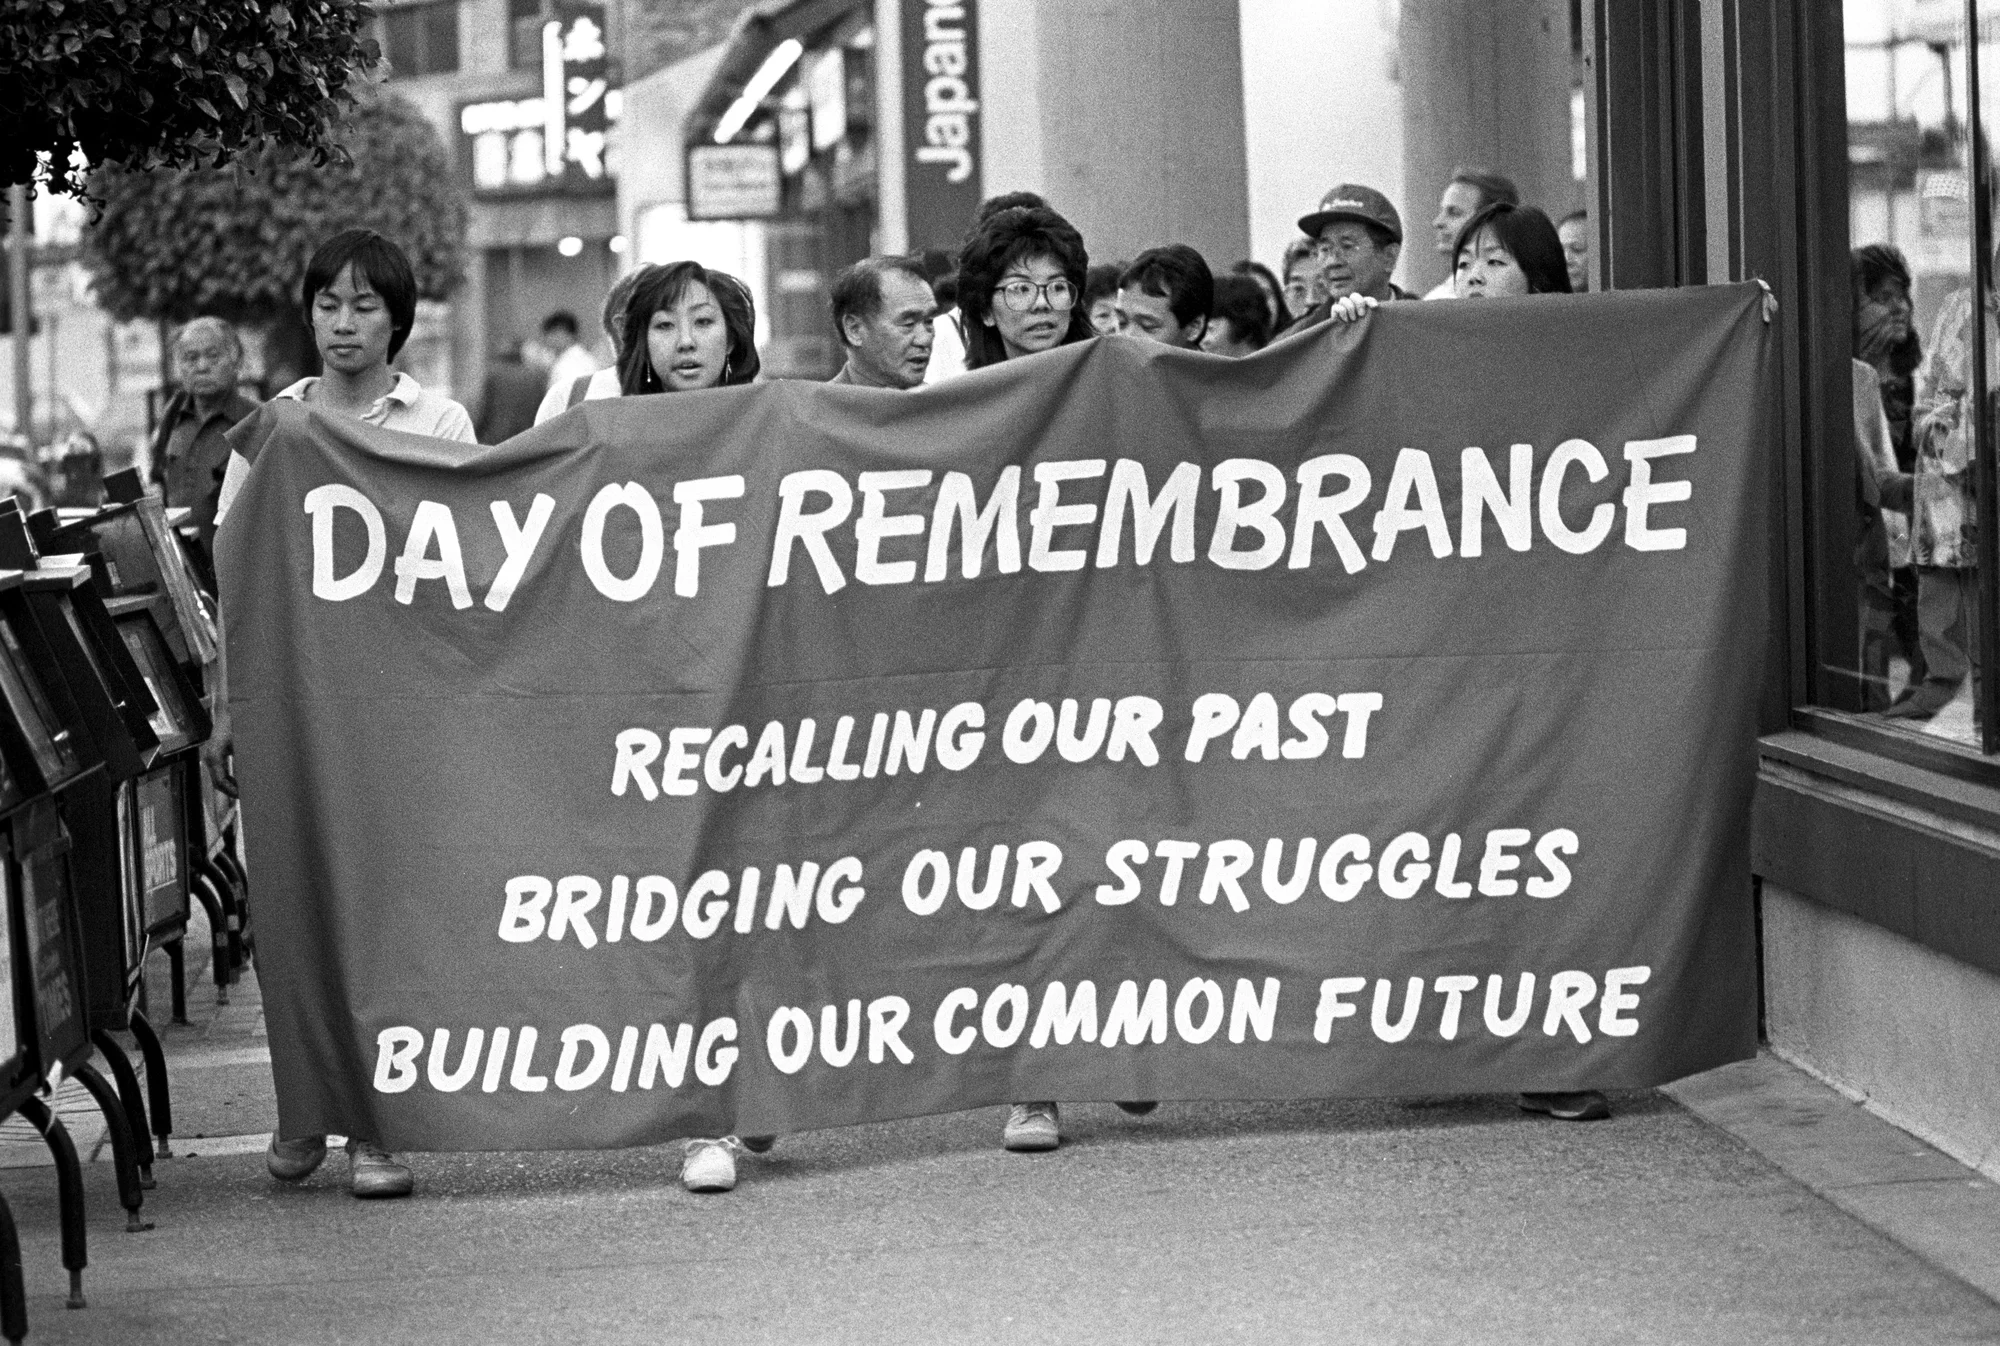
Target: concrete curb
(1884, 1177)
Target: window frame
(418, 14)
(1895, 829)
(528, 55)
(1796, 235)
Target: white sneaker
(1031, 1127)
(710, 1165)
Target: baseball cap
(1352, 201)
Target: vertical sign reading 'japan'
(941, 119)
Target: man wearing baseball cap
(1357, 236)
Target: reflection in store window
(1910, 228)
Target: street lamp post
(18, 243)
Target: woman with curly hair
(1021, 278)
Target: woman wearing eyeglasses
(1021, 277)
(1020, 282)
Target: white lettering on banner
(648, 908)
(584, 1057)
(585, 1054)
(519, 541)
(1252, 529)
(432, 523)
(1230, 872)
(1139, 1015)
(790, 1037)
(321, 502)
(1078, 519)
(1565, 998)
(681, 761)
(1344, 871)
(434, 548)
(1575, 1007)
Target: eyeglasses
(1020, 295)
(1346, 249)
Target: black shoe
(758, 1144)
(1584, 1105)
(1137, 1109)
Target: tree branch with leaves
(151, 84)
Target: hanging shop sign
(941, 119)
(557, 142)
(732, 182)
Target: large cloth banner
(1371, 716)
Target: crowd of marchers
(1021, 284)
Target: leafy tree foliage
(234, 241)
(172, 84)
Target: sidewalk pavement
(1748, 1205)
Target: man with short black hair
(1470, 191)
(1357, 237)
(882, 310)
(1166, 295)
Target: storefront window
(1911, 659)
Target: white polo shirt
(603, 384)
(406, 406)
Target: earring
(726, 366)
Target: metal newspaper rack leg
(220, 946)
(131, 1099)
(177, 974)
(124, 1157)
(69, 1193)
(157, 1097)
(13, 1292)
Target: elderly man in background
(882, 311)
(1357, 237)
(190, 448)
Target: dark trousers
(1948, 624)
(1889, 627)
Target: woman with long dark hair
(1506, 250)
(677, 328)
(686, 328)
(1503, 251)
(1021, 278)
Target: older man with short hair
(190, 447)
(1357, 236)
(882, 310)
